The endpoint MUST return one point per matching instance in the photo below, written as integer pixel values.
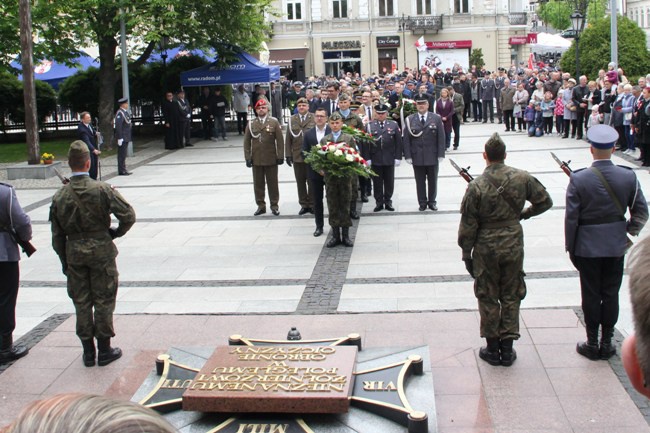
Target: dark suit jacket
(87, 135)
(309, 142)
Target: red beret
(260, 103)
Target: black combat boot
(10, 351)
(107, 354)
(346, 237)
(607, 349)
(335, 239)
(508, 354)
(89, 352)
(589, 349)
(490, 353)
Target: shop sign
(518, 40)
(388, 41)
(340, 45)
(448, 45)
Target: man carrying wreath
(338, 189)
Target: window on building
(340, 8)
(294, 10)
(461, 6)
(424, 7)
(386, 8)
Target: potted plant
(47, 158)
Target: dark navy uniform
(122, 135)
(596, 236)
(384, 154)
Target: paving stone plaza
(198, 267)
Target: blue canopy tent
(54, 73)
(246, 69)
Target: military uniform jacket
(296, 134)
(589, 207)
(80, 233)
(487, 218)
(343, 138)
(488, 89)
(123, 125)
(424, 144)
(388, 143)
(353, 120)
(12, 213)
(263, 141)
(184, 110)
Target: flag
(420, 44)
(531, 61)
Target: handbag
(516, 110)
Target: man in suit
(122, 135)
(384, 155)
(276, 101)
(184, 110)
(333, 90)
(263, 152)
(596, 236)
(312, 137)
(170, 115)
(88, 135)
(424, 148)
(298, 124)
(338, 189)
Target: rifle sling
(610, 191)
(503, 193)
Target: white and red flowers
(338, 159)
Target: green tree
(556, 13)
(80, 92)
(476, 58)
(597, 10)
(64, 27)
(633, 56)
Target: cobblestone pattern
(323, 290)
(33, 337)
(641, 402)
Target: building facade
(369, 36)
(639, 12)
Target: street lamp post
(402, 25)
(163, 54)
(577, 22)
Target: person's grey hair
(81, 413)
(639, 281)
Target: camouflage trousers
(338, 200)
(499, 288)
(93, 290)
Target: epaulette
(625, 166)
(6, 184)
(579, 170)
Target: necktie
(302, 119)
(381, 125)
(333, 109)
(422, 120)
(369, 113)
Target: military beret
(302, 101)
(421, 99)
(77, 148)
(122, 100)
(354, 106)
(336, 116)
(602, 136)
(382, 108)
(344, 97)
(260, 103)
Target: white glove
(398, 162)
(369, 162)
(409, 160)
(119, 141)
(188, 116)
(441, 159)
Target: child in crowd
(559, 113)
(547, 106)
(529, 117)
(595, 118)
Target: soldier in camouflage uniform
(82, 237)
(298, 124)
(338, 189)
(354, 121)
(492, 240)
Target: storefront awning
(282, 58)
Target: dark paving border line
(38, 333)
(182, 283)
(452, 278)
(323, 290)
(45, 201)
(642, 403)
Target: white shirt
(320, 133)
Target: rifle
(463, 172)
(64, 180)
(564, 165)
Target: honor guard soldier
(299, 124)
(384, 155)
(82, 237)
(424, 148)
(122, 135)
(338, 189)
(352, 120)
(264, 151)
(596, 231)
(492, 241)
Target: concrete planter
(26, 171)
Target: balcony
(420, 25)
(518, 18)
